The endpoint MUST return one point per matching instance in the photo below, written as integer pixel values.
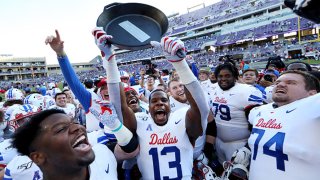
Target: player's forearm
(116, 94)
(127, 142)
(198, 101)
(113, 80)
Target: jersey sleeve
(252, 114)
(74, 83)
(7, 174)
(254, 96)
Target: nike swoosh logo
(231, 94)
(289, 111)
(177, 121)
(107, 171)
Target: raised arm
(115, 88)
(70, 76)
(127, 144)
(196, 117)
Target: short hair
(66, 90)
(173, 80)
(316, 74)
(312, 83)
(153, 76)
(253, 70)
(58, 94)
(156, 90)
(309, 68)
(88, 83)
(234, 71)
(25, 135)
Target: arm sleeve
(200, 100)
(74, 83)
(114, 94)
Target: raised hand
(109, 117)
(170, 46)
(101, 39)
(56, 43)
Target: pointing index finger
(57, 34)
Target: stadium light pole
(299, 34)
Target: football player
(282, 138)
(228, 104)
(165, 138)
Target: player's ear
(312, 92)
(37, 157)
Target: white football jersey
(228, 109)
(200, 142)
(207, 86)
(22, 167)
(100, 137)
(165, 78)
(175, 105)
(92, 121)
(7, 152)
(268, 91)
(104, 166)
(284, 141)
(53, 92)
(165, 151)
(140, 90)
(70, 109)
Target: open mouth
(132, 101)
(106, 97)
(160, 114)
(81, 144)
(181, 94)
(281, 91)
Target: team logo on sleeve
(259, 114)
(25, 166)
(36, 175)
(149, 128)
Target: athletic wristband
(211, 129)
(118, 128)
(131, 146)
